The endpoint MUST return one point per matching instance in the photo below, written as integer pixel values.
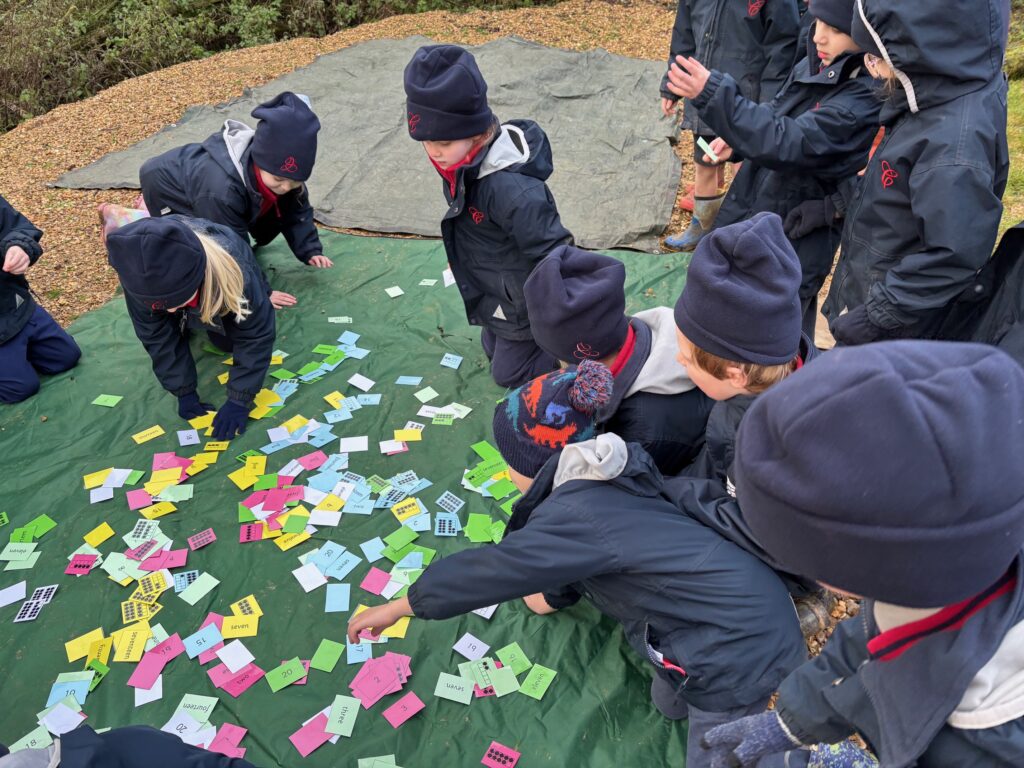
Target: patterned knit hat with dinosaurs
(546, 414)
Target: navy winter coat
(16, 302)
(501, 221)
(137, 745)
(215, 180)
(930, 692)
(596, 524)
(754, 41)
(925, 215)
(814, 134)
(165, 335)
(653, 402)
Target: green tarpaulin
(597, 711)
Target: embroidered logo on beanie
(290, 166)
(754, 7)
(414, 120)
(584, 351)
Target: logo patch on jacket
(289, 165)
(584, 351)
(414, 120)
(754, 7)
(499, 314)
(476, 215)
(889, 175)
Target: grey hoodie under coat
(924, 217)
(501, 221)
(596, 524)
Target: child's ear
(736, 376)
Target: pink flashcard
(255, 498)
(311, 735)
(154, 562)
(201, 539)
(284, 480)
(294, 493)
(176, 558)
(250, 532)
(142, 551)
(244, 680)
(163, 460)
(147, 671)
(221, 675)
(403, 709)
(500, 756)
(210, 653)
(231, 734)
(375, 581)
(138, 499)
(312, 460)
(275, 500)
(80, 565)
(169, 649)
(305, 678)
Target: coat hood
(936, 53)
(237, 138)
(521, 147)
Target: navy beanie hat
(285, 140)
(890, 470)
(544, 415)
(741, 299)
(446, 96)
(576, 301)
(835, 13)
(159, 260)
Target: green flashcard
(286, 674)
(458, 689)
(326, 656)
(485, 451)
(504, 681)
(282, 374)
(265, 483)
(401, 537)
(41, 525)
(497, 531)
(443, 421)
(22, 535)
(108, 401)
(245, 514)
(295, 524)
(200, 707)
(324, 349)
(248, 454)
(506, 506)
(537, 682)
(512, 656)
(501, 489)
(101, 671)
(4, 520)
(342, 718)
(134, 477)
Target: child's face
(279, 185)
(831, 43)
(448, 153)
(716, 389)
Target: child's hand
(538, 604)
(668, 106)
(720, 148)
(378, 619)
(321, 262)
(687, 77)
(16, 261)
(280, 299)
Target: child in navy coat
(501, 217)
(753, 41)
(925, 215)
(31, 342)
(577, 306)
(892, 472)
(249, 180)
(797, 148)
(180, 273)
(715, 623)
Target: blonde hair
(223, 290)
(759, 377)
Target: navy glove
(743, 742)
(855, 327)
(189, 406)
(845, 754)
(230, 419)
(809, 216)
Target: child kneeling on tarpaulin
(893, 472)
(716, 622)
(31, 342)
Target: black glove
(230, 420)
(189, 406)
(855, 327)
(809, 216)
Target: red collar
(624, 353)
(799, 363)
(269, 196)
(449, 174)
(195, 300)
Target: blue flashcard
(373, 550)
(446, 524)
(274, 447)
(78, 689)
(413, 560)
(333, 417)
(327, 556)
(359, 506)
(337, 598)
(422, 485)
(182, 580)
(335, 462)
(357, 352)
(286, 388)
(348, 338)
(451, 361)
(368, 399)
(420, 522)
(354, 654)
(324, 481)
(203, 640)
(409, 381)
(343, 566)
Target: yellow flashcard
(259, 412)
(295, 422)
(209, 457)
(271, 534)
(217, 445)
(98, 535)
(330, 503)
(154, 583)
(148, 434)
(247, 606)
(123, 582)
(398, 629)
(289, 540)
(79, 647)
(240, 626)
(256, 465)
(131, 643)
(96, 479)
(276, 360)
(169, 475)
(228, 361)
(117, 635)
(202, 422)
(160, 509)
(334, 399)
(267, 397)
(408, 435)
(100, 651)
(242, 478)
(196, 467)
(154, 489)
(405, 509)
(223, 378)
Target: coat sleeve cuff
(880, 311)
(710, 89)
(242, 397)
(24, 241)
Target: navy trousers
(513, 363)
(41, 347)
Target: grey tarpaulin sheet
(615, 173)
